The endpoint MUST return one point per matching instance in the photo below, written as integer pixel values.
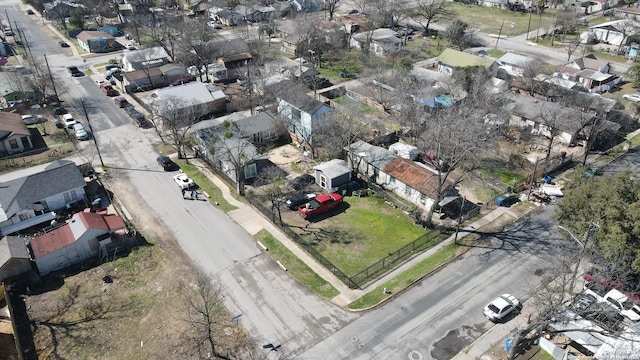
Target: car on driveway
(297, 200)
(130, 46)
(501, 306)
(30, 12)
(32, 120)
(184, 181)
(57, 108)
(167, 164)
(321, 204)
(63, 43)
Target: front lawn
(489, 21)
(365, 231)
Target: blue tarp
(444, 100)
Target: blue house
(111, 30)
(96, 41)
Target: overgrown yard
(488, 20)
(359, 233)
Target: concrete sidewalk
(253, 221)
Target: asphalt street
(433, 320)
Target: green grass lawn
(406, 278)
(366, 232)
(296, 267)
(489, 21)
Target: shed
(404, 150)
(332, 174)
(14, 258)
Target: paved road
(441, 315)
(275, 308)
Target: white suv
(68, 121)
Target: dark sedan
(295, 201)
(167, 164)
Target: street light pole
(592, 227)
(499, 33)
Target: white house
(145, 58)
(84, 237)
(15, 137)
(194, 99)
(409, 180)
(514, 64)
(381, 42)
(615, 32)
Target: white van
(68, 121)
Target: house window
(13, 143)
(295, 113)
(423, 199)
(250, 171)
(323, 181)
(70, 196)
(408, 190)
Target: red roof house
(78, 240)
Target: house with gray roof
(193, 100)
(145, 58)
(301, 110)
(14, 258)
(229, 143)
(30, 200)
(381, 42)
(332, 174)
(513, 63)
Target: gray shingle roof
(334, 168)
(374, 155)
(59, 177)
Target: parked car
(80, 132)
(596, 290)
(301, 182)
(130, 46)
(63, 43)
(501, 306)
(632, 97)
(214, 25)
(74, 71)
(584, 302)
(109, 90)
(121, 101)
(621, 303)
(297, 200)
(322, 203)
(30, 12)
(32, 120)
(110, 66)
(183, 181)
(57, 108)
(113, 71)
(58, 123)
(8, 32)
(167, 164)
(68, 121)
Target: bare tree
(336, 131)
(274, 178)
(571, 47)
(331, 6)
(459, 35)
(456, 136)
(427, 11)
(552, 119)
(206, 317)
(175, 116)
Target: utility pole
(529, 26)
(533, 179)
(53, 84)
(583, 244)
(499, 33)
(95, 141)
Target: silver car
(502, 306)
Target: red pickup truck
(322, 203)
(109, 90)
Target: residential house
(144, 79)
(173, 72)
(249, 12)
(229, 18)
(381, 42)
(14, 258)
(234, 55)
(332, 174)
(632, 13)
(295, 69)
(495, 4)
(615, 32)
(409, 180)
(145, 58)
(592, 73)
(229, 143)
(15, 137)
(59, 9)
(542, 117)
(451, 59)
(514, 64)
(31, 200)
(16, 89)
(84, 237)
(282, 9)
(301, 110)
(96, 41)
(191, 100)
(235, 65)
